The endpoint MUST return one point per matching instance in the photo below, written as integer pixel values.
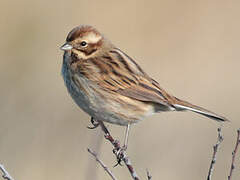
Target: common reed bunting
(110, 86)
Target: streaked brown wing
(143, 95)
(118, 73)
(128, 79)
(140, 90)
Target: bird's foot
(94, 122)
(120, 154)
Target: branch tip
(5, 175)
(109, 172)
(215, 150)
(234, 155)
(149, 177)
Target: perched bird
(110, 86)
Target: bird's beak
(66, 47)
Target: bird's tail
(181, 105)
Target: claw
(118, 163)
(94, 123)
(92, 127)
(120, 155)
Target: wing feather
(118, 73)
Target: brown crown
(80, 31)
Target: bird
(111, 86)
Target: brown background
(190, 47)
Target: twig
(5, 175)
(102, 164)
(149, 177)
(214, 157)
(95, 143)
(117, 147)
(234, 155)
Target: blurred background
(190, 47)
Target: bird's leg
(126, 137)
(94, 122)
(120, 151)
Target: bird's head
(86, 42)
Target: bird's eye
(83, 43)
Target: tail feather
(181, 105)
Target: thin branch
(234, 155)
(102, 164)
(149, 177)
(215, 150)
(95, 143)
(117, 148)
(5, 175)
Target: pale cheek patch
(80, 54)
(93, 38)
